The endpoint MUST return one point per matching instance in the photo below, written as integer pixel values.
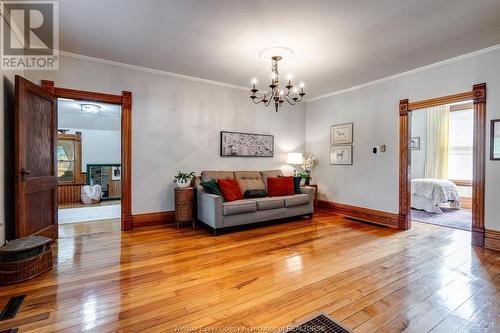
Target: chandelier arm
(270, 98)
(290, 100)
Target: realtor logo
(30, 35)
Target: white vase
(182, 184)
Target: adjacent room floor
(77, 213)
(452, 218)
(160, 279)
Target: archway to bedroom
(449, 154)
(441, 148)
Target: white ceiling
(70, 115)
(337, 44)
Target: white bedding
(428, 194)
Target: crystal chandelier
(277, 94)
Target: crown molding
(151, 70)
(403, 74)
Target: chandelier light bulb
(289, 77)
(281, 92)
(295, 90)
(302, 85)
(254, 81)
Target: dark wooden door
(36, 161)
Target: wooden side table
(315, 186)
(184, 205)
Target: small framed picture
(341, 134)
(495, 140)
(415, 143)
(116, 173)
(341, 155)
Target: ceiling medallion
(277, 94)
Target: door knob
(25, 172)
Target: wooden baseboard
(150, 219)
(492, 239)
(370, 215)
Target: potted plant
(183, 179)
(306, 177)
(308, 164)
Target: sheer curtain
(438, 127)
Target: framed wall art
(341, 134)
(341, 155)
(238, 144)
(495, 140)
(415, 143)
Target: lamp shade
(294, 158)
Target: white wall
(372, 181)
(177, 122)
(99, 146)
(419, 128)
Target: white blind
(460, 145)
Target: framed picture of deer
(341, 155)
(341, 134)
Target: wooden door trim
(478, 96)
(125, 100)
(427, 103)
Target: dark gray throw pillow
(296, 185)
(211, 186)
(254, 194)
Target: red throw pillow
(279, 186)
(230, 189)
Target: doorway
(103, 121)
(478, 97)
(441, 148)
(88, 164)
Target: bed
(428, 194)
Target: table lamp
(294, 159)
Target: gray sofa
(219, 215)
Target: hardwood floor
(370, 278)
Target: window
(460, 145)
(68, 158)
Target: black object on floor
(321, 323)
(11, 308)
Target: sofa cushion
(230, 189)
(249, 180)
(296, 200)
(239, 207)
(270, 173)
(280, 186)
(270, 203)
(247, 175)
(207, 175)
(251, 184)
